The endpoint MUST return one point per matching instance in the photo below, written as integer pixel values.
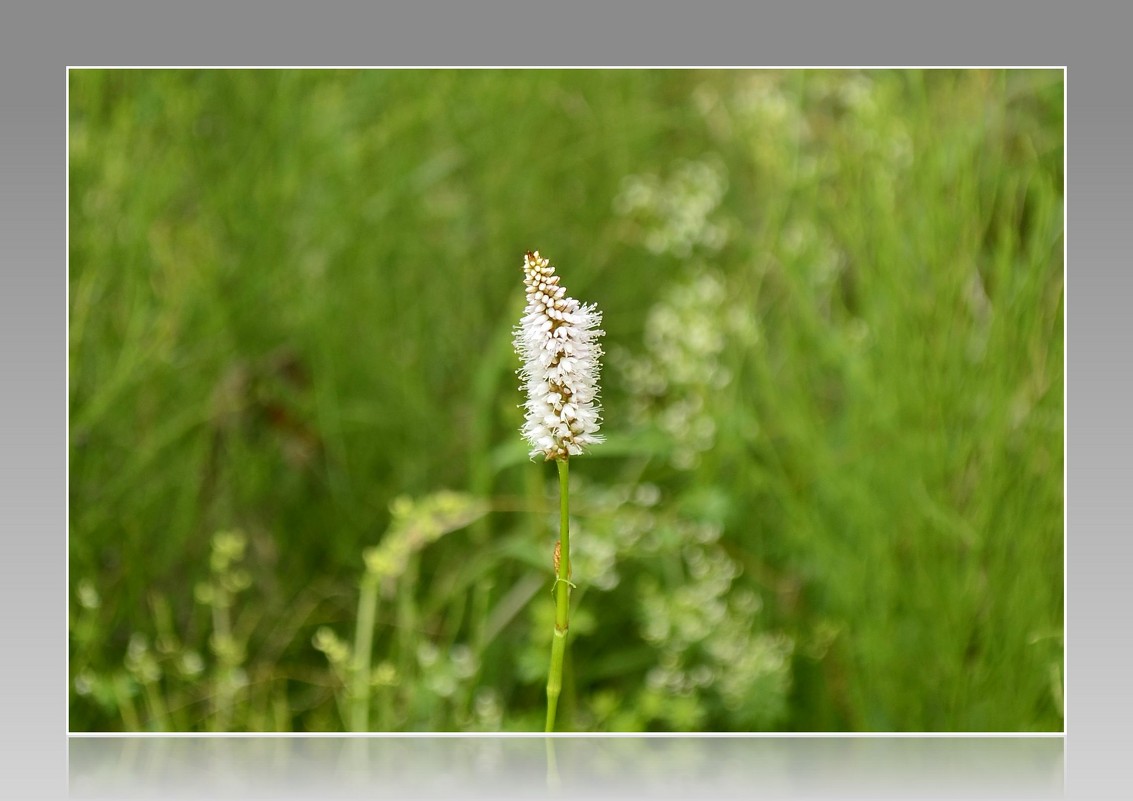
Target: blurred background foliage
(832, 495)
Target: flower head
(557, 340)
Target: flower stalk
(557, 341)
(363, 652)
(562, 597)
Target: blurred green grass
(834, 314)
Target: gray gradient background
(38, 41)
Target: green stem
(363, 650)
(222, 631)
(562, 600)
(125, 705)
(407, 623)
(157, 707)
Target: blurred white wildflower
(595, 556)
(88, 595)
(764, 97)
(85, 683)
(769, 116)
(191, 664)
(557, 341)
(673, 383)
(675, 215)
(337, 651)
(489, 711)
(709, 642)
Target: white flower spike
(557, 341)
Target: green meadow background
(831, 498)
